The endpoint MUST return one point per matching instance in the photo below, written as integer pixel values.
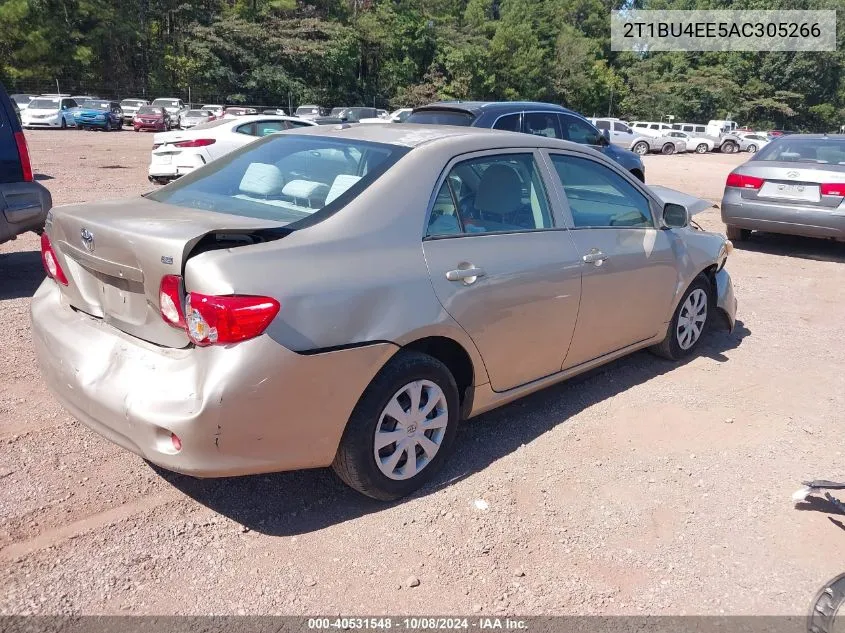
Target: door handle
(595, 256)
(467, 275)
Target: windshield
(132, 102)
(166, 103)
(97, 105)
(441, 117)
(199, 113)
(307, 110)
(803, 150)
(284, 178)
(149, 110)
(44, 104)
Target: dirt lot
(643, 488)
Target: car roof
(819, 137)
(479, 107)
(414, 135)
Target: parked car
(275, 111)
(278, 310)
(309, 111)
(21, 100)
(348, 115)
(540, 119)
(195, 117)
(130, 108)
(698, 129)
(652, 128)
(753, 142)
(175, 108)
(104, 115)
(49, 112)
(83, 98)
(24, 203)
(784, 132)
(235, 111)
(795, 185)
(621, 135)
(151, 118)
(216, 110)
(178, 153)
(698, 144)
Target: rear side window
(509, 123)
(246, 128)
(284, 178)
(599, 197)
(491, 194)
(441, 117)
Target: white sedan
(695, 143)
(180, 152)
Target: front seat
(499, 195)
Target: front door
(629, 272)
(502, 267)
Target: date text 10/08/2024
(418, 624)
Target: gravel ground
(643, 488)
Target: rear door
(629, 274)
(502, 264)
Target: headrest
(261, 179)
(499, 190)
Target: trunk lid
(793, 182)
(115, 253)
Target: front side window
(284, 178)
(599, 197)
(621, 127)
(578, 130)
(491, 194)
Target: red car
(151, 118)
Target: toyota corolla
(346, 295)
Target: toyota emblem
(87, 239)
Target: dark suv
(544, 119)
(23, 203)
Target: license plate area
(790, 191)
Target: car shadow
(286, 504)
(794, 246)
(43, 177)
(21, 273)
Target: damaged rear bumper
(243, 409)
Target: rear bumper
(23, 207)
(725, 298)
(773, 217)
(174, 164)
(155, 127)
(249, 408)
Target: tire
(751, 148)
(668, 149)
(697, 301)
(736, 234)
(107, 126)
(640, 147)
(355, 462)
(64, 123)
(701, 148)
(729, 147)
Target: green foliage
(408, 52)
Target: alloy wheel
(692, 318)
(410, 430)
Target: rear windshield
(804, 150)
(441, 117)
(284, 178)
(211, 124)
(307, 110)
(149, 110)
(44, 104)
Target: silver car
(794, 185)
(195, 117)
(622, 135)
(346, 295)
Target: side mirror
(675, 216)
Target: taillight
(200, 142)
(220, 320)
(744, 182)
(170, 301)
(23, 152)
(51, 262)
(833, 189)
